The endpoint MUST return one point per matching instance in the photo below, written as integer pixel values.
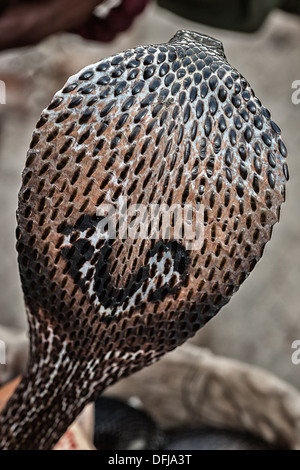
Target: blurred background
(260, 323)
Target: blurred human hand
(25, 22)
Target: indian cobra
(161, 124)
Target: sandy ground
(262, 320)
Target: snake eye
(210, 42)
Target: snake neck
(43, 406)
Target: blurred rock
(191, 387)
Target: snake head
(207, 43)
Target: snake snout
(211, 44)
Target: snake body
(166, 124)
(119, 426)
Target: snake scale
(165, 124)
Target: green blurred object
(238, 15)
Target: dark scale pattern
(174, 124)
